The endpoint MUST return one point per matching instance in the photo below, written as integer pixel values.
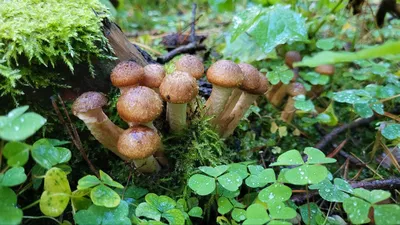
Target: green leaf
(279, 222)
(329, 57)
(261, 179)
(326, 44)
(224, 205)
(352, 96)
(22, 127)
(109, 181)
(278, 210)
(174, 216)
(13, 114)
(79, 201)
(147, 210)
(270, 27)
(88, 181)
(313, 216)
(386, 214)
(133, 192)
(56, 193)
(97, 215)
(9, 213)
(306, 174)
(16, 153)
(230, 181)
(275, 193)
(289, 158)
(238, 214)
(214, 172)
(196, 212)
(315, 78)
(343, 185)
(47, 155)
(13, 177)
(163, 203)
(373, 196)
(221, 6)
(357, 210)
(201, 184)
(256, 214)
(280, 74)
(240, 169)
(102, 195)
(363, 110)
(330, 192)
(316, 156)
(391, 131)
(302, 104)
(235, 51)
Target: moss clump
(47, 32)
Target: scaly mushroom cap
(225, 73)
(179, 88)
(153, 75)
(127, 73)
(325, 69)
(88, 101)
(139, 105)
(296, 88)
(190, 64)
(251, 76)
(264, 85)
(138, 142)
(292, 57)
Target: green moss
(45, 33)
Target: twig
(193, 24)
(72, 131)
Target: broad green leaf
(22, 127)
(256, 214)
(391, 131)
(47, 155)
(329, 57)
(289, 158)
(343, 185)
(275, 193)
(280, 74)
(328, 117)
(235, 51)
(386, 214)
(230, 181)
(147, 210)
(97, 215)
(102, 195)
(326, 44)
(224, 205)
(278, 210)
(221, 6)
(12, 177)
(378, 107)
(64, 155)
(174, 216)
(196, 212)
(357, 210)
(363, 110)
(16, 153)
(238, 214)
(133, 192)
(214, 171)
(164, 203)
(352, 96)
(313, 216)
(201, 184)
(79, 200)
(279, 222)
(261, 179)
(255, 169)
(316, 156)
(4, 120)
(306, 174)
(88, 181)
(226, 193)
(57, 192)
(109, 181)
(240, 169)
(315, 78)
(373, 196)
(9, 213)
(330, 192)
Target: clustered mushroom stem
(277, 96)
(233, 99)
(147, 165)
(288, 112)
(216, 102)
(176, 116)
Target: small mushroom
(138, 144)
(126, 75)
(139, 105)
(225, 76)
(316, 90)
(246, 99)
(292, 57)
(190, 64)
(293, 90)
(153, 76)
(178, 89)
(88, 108)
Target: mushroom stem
(176, 116)
(229, 123)
(217, 101)
(288, 112)
(233, 99)
(277, 96)
(147, 165)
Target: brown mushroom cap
(292, 57)
(153, 75)
(325, 69)
(139, 105)
(138, 142)
(225, 73)
(127, 73)
(264, 85)
(88, 101)
(296, 88)
(190, 64)
(179, 88)
(251, 76)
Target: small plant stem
(324, 21)
(127, 183)
(31, 205)
(42, 217)
(327, 214)
(26, 187)
(390, 98)
(5, 169)
(308, 205)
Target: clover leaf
(102, 195)
(315, 156)
(214, 171)
(275, 193)
(224, 205)
(13, 177)
(201, 184)
(256, 214)
(289, 158)
(16, 153)
(306, 174)
(230, 181)
(98, 215)
(386, 214)
(48, 155)
(9, 213)
(278, 210)
(391, 131)
(357, 210)
(260, 178)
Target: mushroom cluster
(143, 90)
